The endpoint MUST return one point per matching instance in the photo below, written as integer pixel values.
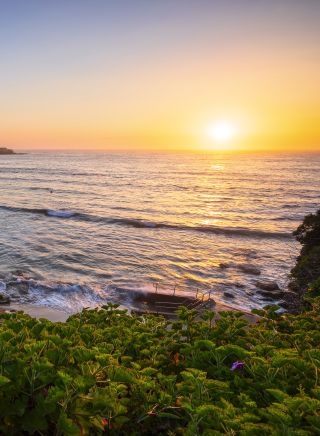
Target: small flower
(104, 422)
(237, 365)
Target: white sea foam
(60, 213)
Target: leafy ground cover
(106, 372)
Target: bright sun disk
(222, 131)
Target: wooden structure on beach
(167, 303)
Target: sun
(222, 131)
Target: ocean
(82, 229)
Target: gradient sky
(154, 75)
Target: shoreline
(56, 315)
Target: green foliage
(314, 288)
(308, 233)
(106, 372)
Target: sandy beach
(51, 314)
(56, 315)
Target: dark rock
(268, 285)
(293, 287)
(18, 287)
(223, 265)
(4, 150)
(291, 301)
(271, 295)
(249, 269)
(4, 299)
(249, 253)
(289, 295)
(239, 285)
(228, 294)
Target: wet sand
(37, 311)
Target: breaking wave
(140, 223)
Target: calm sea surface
(78, 230)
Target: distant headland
(5, 150)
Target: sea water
(83, 229)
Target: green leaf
(277, 394)
(168, 415)
(4, 380)
(66, 426)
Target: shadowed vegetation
(306, 273)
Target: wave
(60, 213)
(68, 297)
(140, 223)
(287, 218)
(73, 297)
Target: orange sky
(105, 80)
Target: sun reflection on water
(217, 167)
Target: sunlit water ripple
(115, 222)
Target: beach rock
(291, 301)
(267, 285)
(239, 285)
(289, 295)
(249, 269)
(294, 288)
(18, 287)
(271, 295)
(228, 294)
(4, 299)
(249, 253)
(5, 150)
(224, 265)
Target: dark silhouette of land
(4, 150)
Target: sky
(160, 75)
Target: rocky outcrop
(291, 301)
(224, 265)
(228, 294)
(249, 269)
(270, 295)
(4, 299)
(267, 285)
(17, 288)
(4, 150)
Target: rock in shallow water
(249, 269)
(228, 294)
(270, 295)
(291, 301)
(239, 285)
(268, 285)
(4, 299)
(224, 265)
(16, 289)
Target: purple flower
(237, 365)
